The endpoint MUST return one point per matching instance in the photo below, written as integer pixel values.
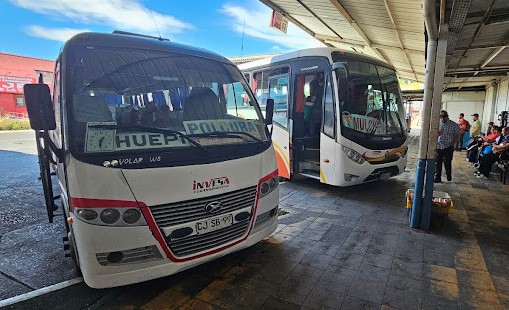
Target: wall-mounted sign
(13, 84)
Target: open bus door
(281, 134)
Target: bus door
(282, 128)
(307, 120)
(328, 134)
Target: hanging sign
(279, 22)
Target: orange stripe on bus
(281, 166)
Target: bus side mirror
(269, 112)
(39, 106)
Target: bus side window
(342, 85)
(56, 105)
(329, 115)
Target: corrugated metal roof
(390, 30)
(478, 51)
(393, 31)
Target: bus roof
(127, 40)
(317, 51)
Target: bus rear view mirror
(39, 106)
(269, 111)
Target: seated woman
(492, 137)
(493, 156)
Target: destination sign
(223, 125)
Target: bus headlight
(131, 216)
(403, 154)
(264, 188)
(110, 216)
(353, 155)
(87, 214)
(268, 186)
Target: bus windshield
(131, 100)
(372, 107)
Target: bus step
(311, 174)
(311, 154)
(309, 165)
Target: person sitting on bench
(492, 157)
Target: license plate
(386, 175)
(214, 223)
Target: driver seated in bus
(149, 117)
(202, 104)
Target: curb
(48, 289)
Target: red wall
(8, 104)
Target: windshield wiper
(228, 134)
(400, 124)
(150, 129)
(384, 108)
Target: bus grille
(198, 243)
(193, 210)
(377, 173)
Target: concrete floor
(344, 248)
(31, 249)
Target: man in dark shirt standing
(449, 134)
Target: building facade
(15, 72)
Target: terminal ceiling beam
(396, 32)
(318, 18)
(357, 28)
(477, 32)
(498, 16)
(326, 38)
(395, 48)
(493, 54)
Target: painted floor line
(48, 289)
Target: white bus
(338, 116)
(160, 166)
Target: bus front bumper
(92, 252)
(355, 174)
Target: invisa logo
(209, 185)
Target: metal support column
(434, 124)
(415, 217)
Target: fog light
(273, 212)
(350, 177)
(87, 215)
(110, 216)
(131, 216)
(115, 257)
